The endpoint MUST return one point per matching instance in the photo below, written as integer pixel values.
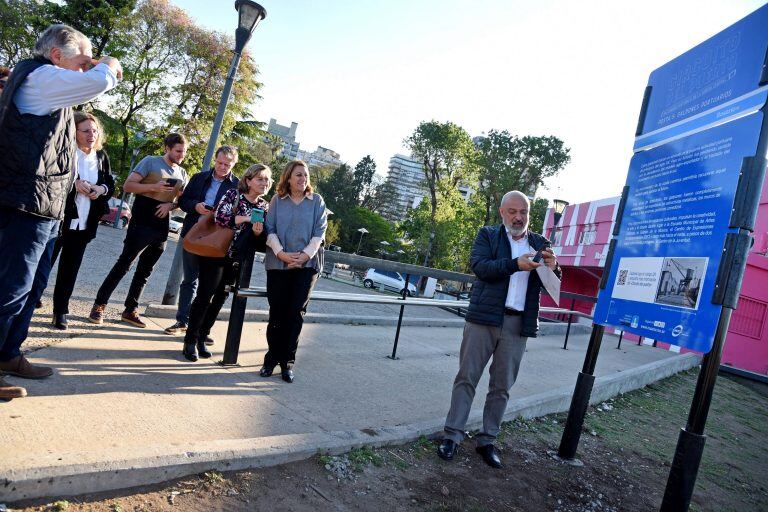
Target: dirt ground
(626, 448)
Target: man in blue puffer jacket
(503, 314)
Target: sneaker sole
(10, 396)
(174, 332)
(95, 321)
(136, 324)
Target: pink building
(580, 240)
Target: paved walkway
(124, 408)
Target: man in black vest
(37, 142)
(200, 196)
(503, 313)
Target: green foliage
(333, 232)
(446, 152)
(455, 227)
(59, 506)
(362, 457)
(507, 162)
(20, 23)
(536, 215)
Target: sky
(359, 76)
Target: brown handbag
(206, 238)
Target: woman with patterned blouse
(296, 228)
(234, 212)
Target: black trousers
(147, 245)
(215, 274)
(71, 247)
(288, 295)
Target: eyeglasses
(94, 131)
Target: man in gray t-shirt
(157, 182)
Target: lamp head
(249, 15)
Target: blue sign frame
(702, 117)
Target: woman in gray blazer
(295, 228)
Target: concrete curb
(49, 477)
(260, 315)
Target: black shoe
(490, 457)
(60, 321)
(209, 341)
(287, 374)
(202, 351)
(266, 371)
(447, 449)
(189, 351)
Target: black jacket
(194, 193)
(38, 153)
(100, 205)
(491, 261)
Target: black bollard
(237, 311)
(580, 400)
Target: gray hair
(64, 37)
(515, 193)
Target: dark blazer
(194, 193)
(491, 261)
(100, 205)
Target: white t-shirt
(518, 282)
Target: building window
(587, 236)
(556, 238)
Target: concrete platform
(124, 408)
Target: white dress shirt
(88, 170)
(518, 282)
(50, 88)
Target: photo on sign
(680, 282)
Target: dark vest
(38, 153)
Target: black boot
(286, 372)
(189, 350)
(202, 350)
(60, 321)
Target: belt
(512, 312)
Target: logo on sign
(677, 331)
(635, 321)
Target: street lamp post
(362, 232)
(384, 245)
(249, 15)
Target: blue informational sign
(718, 78)
(702, 119)
(670, 243)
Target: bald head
(514, 212)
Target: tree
(339, 190)
(445, 151)
(362, 178)
(536, 215)
(457, 222)
(506, 162)
(97, 19)
(20, 23)
(384, 194)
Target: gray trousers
(479, 343)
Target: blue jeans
(191, 265)
(26, 250)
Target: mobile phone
(172, 182)
(208, 207)
(257, 215)
(539, 254)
